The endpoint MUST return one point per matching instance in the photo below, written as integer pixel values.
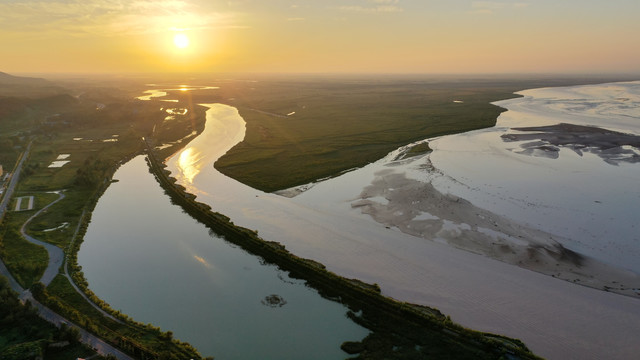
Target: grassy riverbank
(302, 130)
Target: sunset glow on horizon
(376, 36)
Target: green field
(25, 260)
(300, 130)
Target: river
(147, 258)
(400, 223)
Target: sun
(181, 41)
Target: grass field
(299, 131)
(25, 260)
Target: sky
(320, 36)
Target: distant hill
(26, 99)
(19, 86)
(7, 79)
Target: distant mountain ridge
(8, 79)
(29, 87)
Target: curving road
(56, 258)
(56, 255)
(102, 347)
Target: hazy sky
(391, 36)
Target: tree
(69, 333)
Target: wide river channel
(146, 257)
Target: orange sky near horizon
(341, 36)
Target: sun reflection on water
(202, 261)
(189, 163)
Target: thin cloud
(373, 6)
(105, 18)
(490, 7)
(371, 9)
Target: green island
(302, 130)
(99, 126)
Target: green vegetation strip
(400, 330)
(24, 335)
(26, 261)
(300, 131)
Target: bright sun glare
(181, 41)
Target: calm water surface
(147, 258)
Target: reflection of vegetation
(399, 330)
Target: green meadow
(299, 131)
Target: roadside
(8, 193)
(100, 346)
(56, 255)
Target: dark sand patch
(545, 141)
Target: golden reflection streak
(202, 261)
(189, 164)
